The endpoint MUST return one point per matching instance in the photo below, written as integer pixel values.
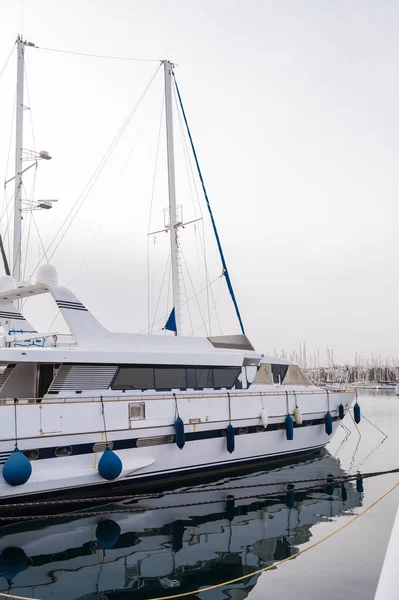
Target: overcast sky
(293, 107)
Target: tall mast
(16, 258)
(168, 67)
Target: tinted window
(204, 378)
(279, 372)
(134, 378)
(170, 378)
(191, 378)
(225, 377)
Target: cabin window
(279, 372)
(191, 378)
(205, 378)
(169, 378)
(225, 377)
(134, 378)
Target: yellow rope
(280, 562)
(16, 597)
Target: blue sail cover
(171, 322)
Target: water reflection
(176, 549)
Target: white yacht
(99, 408)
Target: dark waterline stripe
(129, 443)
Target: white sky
(293, 109)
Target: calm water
(175, 550)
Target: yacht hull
(67, 461)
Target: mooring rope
(329, 479)
(284, 560)
(16, 597)
(141, 509)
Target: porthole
(63, 451)
(101, 446)
(308, 423)
(31, 454)
(242, 430)
(155, 441)
(260, 428)
(281, 426)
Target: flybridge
(91, 342)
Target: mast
(173, 225)
(16, 259)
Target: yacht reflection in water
(175, 549)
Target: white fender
(298, 416)
(264, 418)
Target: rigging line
(187, 153)
(183, 304)
(40, 239)
(5, 174)
(8, 222)
(8, 58)
(148, 283)
(9, 217)
(30, 224)
(214, 310)
(160, 291)
(192, 285)
(105, 426)
(27, 246)
(197, 256)
(152, 291)
(150, 212)
(202, 242)
(193, 193)
(29, 108)
(105, 159)
(185, 291)
(11, 134)
(187, 161)
(24, 225)
(89, 185)
(226, 273)
(128, 58)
